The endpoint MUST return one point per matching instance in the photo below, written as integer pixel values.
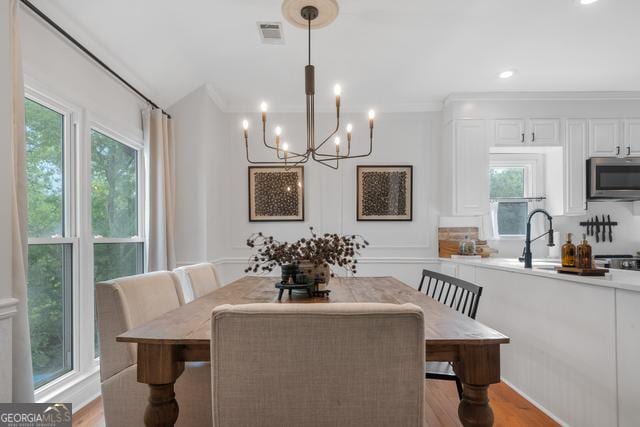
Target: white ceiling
(401, 55)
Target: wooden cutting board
(582, 271)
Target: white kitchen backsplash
(626, 235)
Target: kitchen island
(575, 341)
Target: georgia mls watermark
(35, 414)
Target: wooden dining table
(183, 335)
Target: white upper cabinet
(632, 137)
(470, 168)
(545, 132)
(521, 132)
(614, 137)
(575, 156)
(604, 138)
(509, 132)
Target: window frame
(82, 382)
(95, 124)
(534, 174)
(70, 114)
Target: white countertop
(619, 279)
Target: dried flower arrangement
(328, 250)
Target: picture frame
(276, 193)
(384, 193)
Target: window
(50, 269)
(513, 181)
(115, 204)
(83, 179)
(507, 183)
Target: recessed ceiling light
(506, 74)
(586, 2)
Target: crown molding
(543, 96)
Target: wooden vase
(320, 273)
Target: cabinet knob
(618, 150)
(628, 151)
(522, 140)
(533, 137)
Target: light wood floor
(441, 408)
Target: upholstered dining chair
(198, 280)
(123, 304)
(317, 365)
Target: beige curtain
(22, 369)
(160, 190)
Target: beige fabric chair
(317, 365)
(123, 304)
(198, 280)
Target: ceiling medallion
(309, 14)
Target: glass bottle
(584, 253)
(467, 246)
(569, 253)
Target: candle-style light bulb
(245, 128)
(285, 147)
(349, 128)
(337, 90)
(372, 115)
(263, 108)
(278, 131)
(337, 142)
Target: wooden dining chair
(317, 365)
(458, 294)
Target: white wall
(397, 248)
(50, 63)
(200, 165)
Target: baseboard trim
(535, 403)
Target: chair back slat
(465, 296)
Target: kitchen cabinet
(628, 350)
(604, 138)
(631, 137)
(575, 156)
(470, 168)
(545, 132)
(530, 132)
(509, 132)
(614, 137)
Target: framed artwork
(276, 193)
(385, 193)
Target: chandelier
(319, 151)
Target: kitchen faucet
(526, 253)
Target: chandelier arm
(255, 162)
(335, 130)
(322, 162)
(348, 156)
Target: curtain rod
(90, 54)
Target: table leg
(160, 367)
(479, 366)
(162, 409)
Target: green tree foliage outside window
(49, 265)
(512, 215)
(114, 187)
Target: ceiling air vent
(271, 32)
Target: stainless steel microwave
(613, 178)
